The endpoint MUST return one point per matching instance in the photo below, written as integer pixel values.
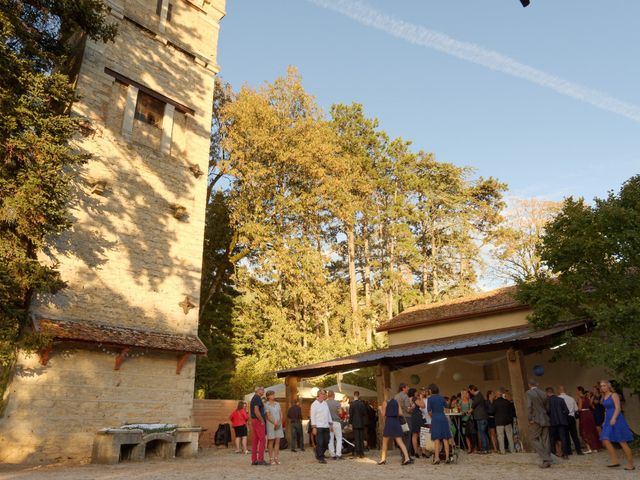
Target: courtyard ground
(224, 464)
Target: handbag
(404, 425)
(425, 438)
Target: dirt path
(224, 464)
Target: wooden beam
(383, 381)
(515, 362)
(120, 357)
(44, 355)
(182, 360)
(291, 395)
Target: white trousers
(335, 440)
(500, 431)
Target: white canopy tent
(348, 390)
(304, 391)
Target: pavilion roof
(400, 356)
(481, 304)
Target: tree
(36, 49)
(519, 237)
(591, 256)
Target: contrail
(473, 53)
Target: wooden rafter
(182, 360)
(120, 357)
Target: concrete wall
(127, 260)
(459, 327)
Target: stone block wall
(127, 260)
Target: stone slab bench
(115, 445)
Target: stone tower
(124, 331)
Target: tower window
(149, 110)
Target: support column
(383, 380)
(291, 395)
(517, 377)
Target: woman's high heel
(406, 462)
(382, 462)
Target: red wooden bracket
(44, 355)
(182, 359)
(120, 357)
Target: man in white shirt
(573, 430)
(335, 438)
(321, 424)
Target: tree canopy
(592, 259)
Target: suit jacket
(503, 411)
(537, 407)
(558, 411)
(479, 405)
(358, 415)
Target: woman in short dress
(440, 431)
(392, 428)
(274, 427)
(588, 430)
(615, 428)
(417, 420)
(239, 418)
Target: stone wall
(127, 260)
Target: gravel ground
(224, 464)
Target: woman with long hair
(417, 421)
(239, 418)
(392, 412)
(615, 427)
(468, 427)
(588, 430)
(274, 427)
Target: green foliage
(35, 155)
(593, 258)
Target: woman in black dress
(392, 413)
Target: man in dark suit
(559, 422)
(503, 410)
(538, 422)
(358, 419)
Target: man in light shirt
(335, 438)
(321, 424)
(573, 429)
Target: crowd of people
(424, 423)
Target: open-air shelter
(484, 339)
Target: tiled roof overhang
(108, 335)
(474, 306)
(400, 356)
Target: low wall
(210, 414)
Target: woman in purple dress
(615, 428)
(392, 429)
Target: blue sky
(541, 142)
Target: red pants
(258, 439)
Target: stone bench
(115, 445)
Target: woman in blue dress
(392, 428)
(440, 431)
(615, 428)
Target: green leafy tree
(37, 40)
(592, 260)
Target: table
(456, 419)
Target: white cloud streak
(473, 53)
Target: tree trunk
(367, 284)
(353, 281)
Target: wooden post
(383, 381)
(291, 395)
(515, 361)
